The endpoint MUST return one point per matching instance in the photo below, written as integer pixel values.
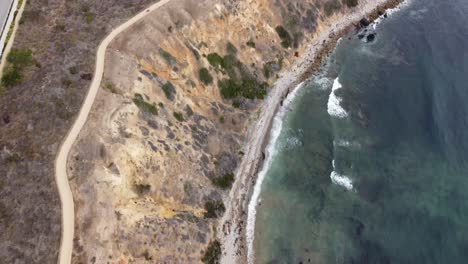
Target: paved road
(68, 213)
(4, 10)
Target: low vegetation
(17, 60)
(350, 3)
(272, 67)
(178, 116)
(212, 253)
(205, 76)
(215, 60)
(240, 83)
(89, 17)
(331, 6)
(230, 48)
(224, 182)
(247, 88)
(111, 88)
(145, 106)
(171, 60)
(286, 39)
(169, 90)
(214, 208)
(251, 44)
(141, 188)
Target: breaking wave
(333, 106)
(271, 151)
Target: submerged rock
(364, 22)
(370, 37)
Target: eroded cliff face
(154, 163)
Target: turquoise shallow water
(378, 173)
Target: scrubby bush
(212, 253)
(17, 59)
(89, 17)
(171, 60)
(11, 76)
(215, 60)
(251, 44)
(141, 188)
(144, 106)
(331, 6)
(169, 90)
(248, 88)
(228, 88)
(350, 3)
(20, 57)
(205, 76)
(230, 48)
(286, 40)
(179, 116)
(224, 182)
(214, 208)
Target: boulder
(364, 22)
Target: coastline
(233, 225)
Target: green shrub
(144, 106)
(11, 76)
(215, 60)
(205, 76)
(89, 17)
(188, 188)
(212, 253)
(248, 88)
(73, 70)
(171, 60)
(230, 48)
(20, 57)
(286, 40)
(350, 3)
(111, 88)
(214, 209)
(141, 188)
(331, 6)
(228, 88)
(169, 90)
(179, 116)
(251, 89)
(224, 182)
(251, 44)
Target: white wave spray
(333, 106)
(389, 12)
(271, 151)
(339, 179)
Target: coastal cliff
(183, 115)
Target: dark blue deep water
(384, 177)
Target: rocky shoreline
(232, 228)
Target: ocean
(370, 164)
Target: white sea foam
(339, 179)
(322, 82)
(271, 151)
(345, 144)
(293, 142)
(333, 106)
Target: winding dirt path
(66, 197)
